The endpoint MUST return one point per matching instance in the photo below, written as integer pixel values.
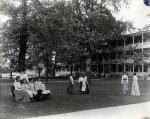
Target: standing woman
(85, 85)
(124, 82)
(80, 80)
(135, 91)
(70, 89)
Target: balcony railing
(136, 45)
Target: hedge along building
(116, 61)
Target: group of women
(135, 91)
(83, 85)
(26, 91)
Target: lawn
(103, 93)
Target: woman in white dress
(124, 82)
(26, 87)
(32, 87)
(135, 91)
(40, 86)
(20, 95)
(80, 80)
(85, 85)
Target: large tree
(72, 29)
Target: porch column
(124, 66)
(142, 58)
(133, 49)
(103, 68)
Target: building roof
(138, 33)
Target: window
(138, 68)
(127, 67)
(120, 43)
(145, 68)
(106, 68)
(138, 39)
(120, 55)
(113, 67)
(106, 57)
(129, 40)
(113, 55)
(120, 68)
(146, 37)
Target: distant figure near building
(70, 89)
(124, 82)
(135, 91)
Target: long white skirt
(46, 92)
(31, 93)
(135, 91)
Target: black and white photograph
(74, 59)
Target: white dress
(37, 85)
(84, 81)
(40, 86)
(32, 88)
(23, 76)
(124, 82)
(26, 88)
(135, 91)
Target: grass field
(103, 93)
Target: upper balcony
(136, 46)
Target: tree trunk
(22, 53)
(54, 68)
(11, 75)
(88, 69)
(39, 74)
(46, 74)
(71, 70)
(46, 68)
(23, 38)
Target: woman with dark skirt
(70, 89)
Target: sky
(137, 12)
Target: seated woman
(41, 89)
(32, 87)
(20, 94)
(26, 87)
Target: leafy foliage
(72, 29)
